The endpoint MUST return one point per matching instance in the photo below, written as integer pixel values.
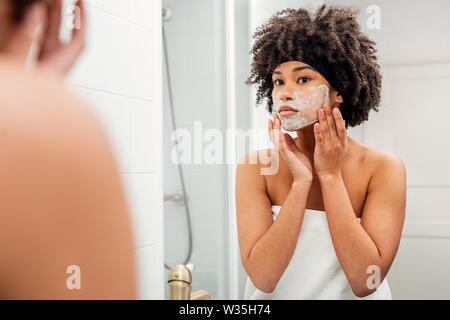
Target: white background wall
(120, 75)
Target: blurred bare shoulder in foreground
(62, 203)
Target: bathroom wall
(119, 75)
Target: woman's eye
(304, 80)
(278, 82)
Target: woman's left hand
(331, 142)
(37, 36)
(56, 57)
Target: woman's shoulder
(27, 90)
(258, 164)
(376, 159)
(42, 104)
(259, 157)
(42, 119)
(262, 161)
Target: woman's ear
(338, 98)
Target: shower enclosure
(196, 195)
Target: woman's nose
(287, 95)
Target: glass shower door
(195, 210)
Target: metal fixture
(179, 282)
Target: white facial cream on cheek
(307, 103)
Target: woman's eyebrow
(297, 69)
(302, 68)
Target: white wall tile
(140, 13)
(108, 52)
(129, 124)
(142, 52)
(114, 112)
(120, 8)
(151, 276)
(140, 192)
(142, 136)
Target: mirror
(206, 64)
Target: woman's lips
(285, 111)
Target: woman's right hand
(299, 165)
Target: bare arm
(266, 246)
(375, 241)
(62, 201)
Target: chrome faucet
(179, 282)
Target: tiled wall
(119, 75)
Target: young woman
(327, 224)
(64, 227)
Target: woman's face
(298, 93)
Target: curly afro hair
(332, 36)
